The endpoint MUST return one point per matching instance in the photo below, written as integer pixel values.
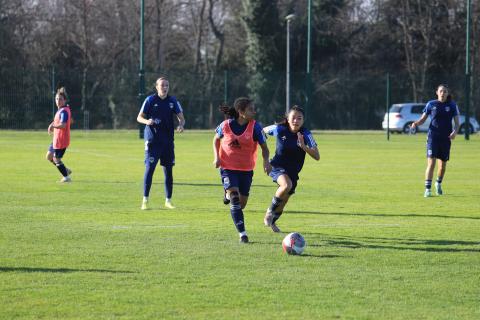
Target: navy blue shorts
(163, 152)
(439, 148)
(278, 171)
(57, 153)
(237, 179)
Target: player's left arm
(261, 138)
(310, 147)
(181, 122)
(456, 127)
(267, 167)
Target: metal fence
(337, 100)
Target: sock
(167, 171)
(145, 199)
(275, 203)
(147, 177)
(428, 184)
(439, 179)
(276, 216)
(236, 212)
(61, 168)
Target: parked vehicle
(403, 114)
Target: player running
(60, 127)
(235, 153)
(157, 114)
(440, 135)
(293, 141)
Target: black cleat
(243, 239)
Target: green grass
(376, 249)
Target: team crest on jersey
(447, 109)
(171, 105)
(283, 138)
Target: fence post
(388, 106)
(53, 91)
(225, 86)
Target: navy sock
(276, 216)
(147, 177)
(236, 212)
(275, 203)
(168, 181)
(61, 168)
(428, 184)
(439, 179)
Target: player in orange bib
(60, 127)
(235, 153)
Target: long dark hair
(449, 95)
(240, 104)
(284, 120)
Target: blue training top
(161, 111)
(441, 114)
(239, 129)
(288, 155)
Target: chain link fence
(101, 100)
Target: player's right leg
(280, 198)
(429, 176)
(151, 161)
(230, 179)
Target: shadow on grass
(214, 185)
(58, 270)
(383, 215)
(428, 245)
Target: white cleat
(144, 205)
(169, 204)
(428, 193)
(268, 219)
(66, 179)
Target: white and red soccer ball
(294, 243)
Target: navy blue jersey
(288, 155)
(239, 129)
(162, 112)
(441, 114)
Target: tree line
(216, 50)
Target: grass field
(376, 249)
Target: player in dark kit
(293, 142)
(157, 114)
(440, 134)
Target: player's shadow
(308, 255)
(210, 184)
(427, 245)
(58, 270)
(384, 215)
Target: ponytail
(62, 92)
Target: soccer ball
(293, 243)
